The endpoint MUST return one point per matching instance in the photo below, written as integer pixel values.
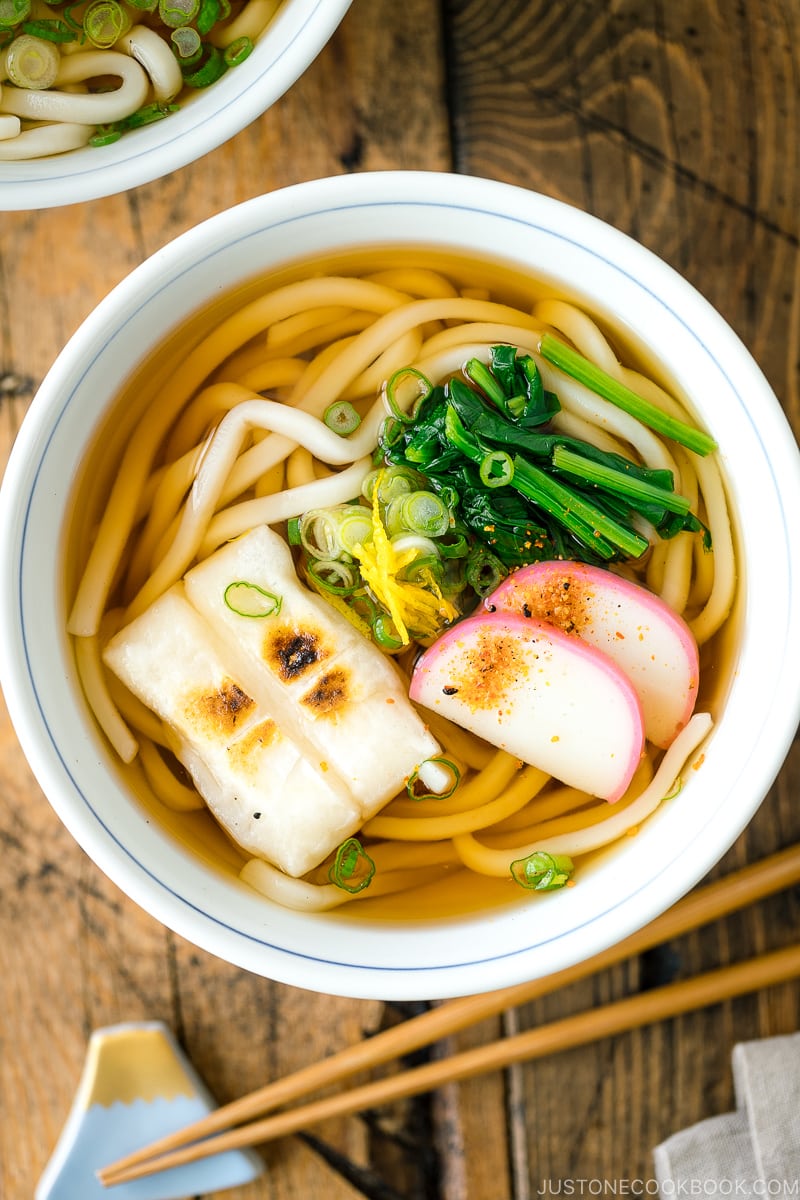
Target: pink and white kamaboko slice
(550, 699)
(645, 638)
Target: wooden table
(679, 123)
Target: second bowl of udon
(105, 96)
(399, 589)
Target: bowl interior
(289, 43)
(158, 863)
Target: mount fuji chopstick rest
(137, 1084)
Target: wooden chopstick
(578, 1030)
(705, 904)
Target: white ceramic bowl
(291, 41)
(445, 957)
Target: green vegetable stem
(525, 490)
(574, 364)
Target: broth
(454, 890)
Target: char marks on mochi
(261, 789)
(281, 720)
(292, 650)
(334, 693)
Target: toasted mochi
(336, 693)
(652, 644)
(262, 790)
(549, 699)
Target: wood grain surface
(678, 123)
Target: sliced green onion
(208, 15)
(191, 60)
(405, 391)
(250, 600)
(352, 869)
(542, 872)
(144, 5)
(394, 481)
(145, 116)
(187, 43)
(293, 531)
(104, 22)
(425, 513)
(211, 70)
(338, 578)
(448, 495)
(175, 13)
(14, 12)
(424, 570)
(496, 469)
(319, 533)
(385, 633)
(413, 779)
(50, 30)
(617, 481)
(341, 417)
(364, 606)
(393, 517)
(32, 62)
(415, 541)
(454, 544)
(580, 368)
(483, 570)
(453, 579)
(355, 527)
(238, 51)
(72, 22)
(104, 136)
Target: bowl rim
(429, 192)
(289, 44)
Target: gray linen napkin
(754, 1151)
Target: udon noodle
(232, 436)
(55, 63)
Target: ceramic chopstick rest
(137, 1085)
